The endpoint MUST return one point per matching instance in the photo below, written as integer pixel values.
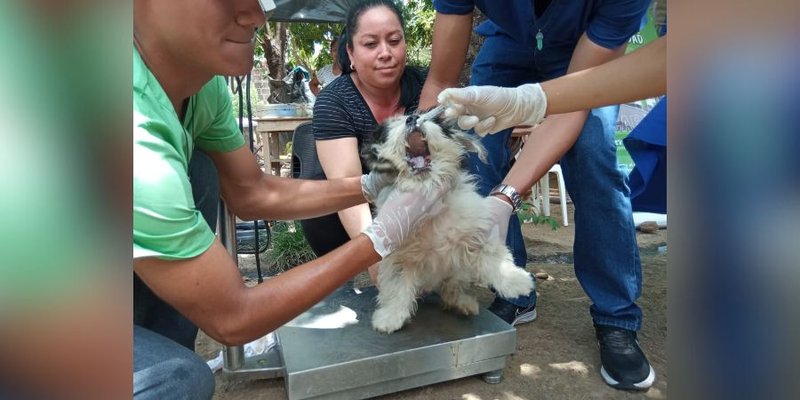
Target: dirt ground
(556, 356)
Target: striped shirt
(340, 111)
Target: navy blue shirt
(608, 23)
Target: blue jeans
(163, 369)
(165, 365)
(606, 255)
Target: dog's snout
(411, 121)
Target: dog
(452, 250)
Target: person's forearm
(451, 35)
(635, 76)
(544, 146)
(355, 219)
(209, 291)
(278, 300)
(286, 199)
(551, 139)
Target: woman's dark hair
(411, 75)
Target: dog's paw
(515, 282)
(386, 322)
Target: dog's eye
(411, 120)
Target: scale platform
(332, 352)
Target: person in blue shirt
(530, 42)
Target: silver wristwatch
(511, 193)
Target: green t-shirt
(166, 223)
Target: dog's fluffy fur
(451, 251)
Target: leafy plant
(289, 247)
(256, 102)
(309, 44)
(529, 214)
(418, 16)
(308, 41)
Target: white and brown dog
(451, 251)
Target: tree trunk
(274, 50)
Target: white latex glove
(399, 216)
(490, 109)
(372, 183)
(501, 212)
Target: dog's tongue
(416, 145)
(417, 155)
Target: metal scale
(332, 352)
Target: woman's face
(379, 48)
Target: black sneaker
(511, 313)
(624, 365)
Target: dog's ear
(369, 150)
(448, 125)
(470, 143)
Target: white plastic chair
(543, 188)
(540, 193)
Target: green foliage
(289, 247)
(527, 214)
(419, 16)
(256, 102)
(309, 44)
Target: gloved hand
(399, 216)
(373, 183)
(490, 109)
(501, 212)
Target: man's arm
(638, 75)
(252, 194)
(208, 289)
(451, 34)
(549, 141)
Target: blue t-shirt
(608, 23)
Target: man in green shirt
(181, 103)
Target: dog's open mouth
(417, 155)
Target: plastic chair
(543, 188)
(305, 163)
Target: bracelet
(511, 193)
